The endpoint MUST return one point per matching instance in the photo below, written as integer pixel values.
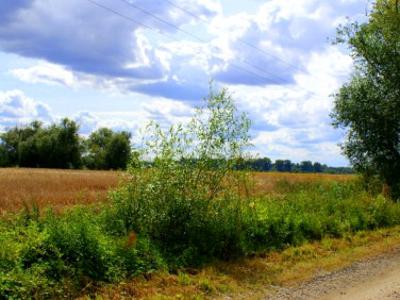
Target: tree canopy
(56, 146)
(107, 149)
(368, 106)
(61, 146)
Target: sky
(122, 63)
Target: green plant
(188, 202)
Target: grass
(253, 278)
(266, 183)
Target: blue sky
(117, 63)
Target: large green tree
(107, 149)
(368, 106)
(56, 146)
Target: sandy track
(377, 278)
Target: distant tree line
(61, 146)
(265, 165)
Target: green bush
(58, 254)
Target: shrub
(187, 202)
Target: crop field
(55, 188)
(63, 188)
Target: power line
(280, 80)
(268, 79)
(119, 14)
(184, 10)
(173, 38)
(242, 41)
(162, 20)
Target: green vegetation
(265, 164)
(369, 104)
(107, 150)
(60, 146)
(56, 146)
(52, 255)
(188, 209)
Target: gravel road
(373, 279)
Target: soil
(374, 278)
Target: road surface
(373, 279)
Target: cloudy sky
(121, 63)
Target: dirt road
(373, 279)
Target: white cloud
(46, 73)
(18, 109)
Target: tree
(107, 149)
(262, 164)
(255, 164)
(306, 166)
(4, 159)
(191, 184)
(118, 151)
(368, 106)
(283, 165)
(57, 146)
(19, 145)
(69, 140)
(318, 167)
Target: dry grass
(249, 278)
(62, 188)
(267, 182)
(55, 188)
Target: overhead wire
(276, 79)
(174, 38)
(197, 38)
(240, 40)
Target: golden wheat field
(62, 188)
(55, 188)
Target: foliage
(283, 165)
(57, 146)
(60, 146)
(189, 199)
(107, 150)
(43, 257)
(368, 106)
(307, 166)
